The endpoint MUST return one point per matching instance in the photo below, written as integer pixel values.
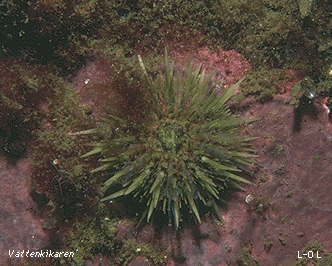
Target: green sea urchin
(186, 151)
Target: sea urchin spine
(184, 154)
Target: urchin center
(172, 136)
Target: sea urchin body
(184, 154)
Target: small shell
(249, 198)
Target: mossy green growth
(62, 115)
(91, 236)
(244, 257)
(185, 152)
(131, 249)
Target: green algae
(132, 249)
(274, 36)
(91, 235)
(244, 257)
(64, 115)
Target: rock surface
(20, 230)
